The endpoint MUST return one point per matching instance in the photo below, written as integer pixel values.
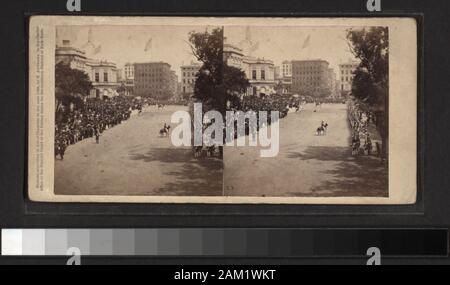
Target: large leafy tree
(234, 85)
(371, 82)
(207, 47)
(217, 85)
(71, 85)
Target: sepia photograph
(222, 110)
(330, 86)
(116, 89)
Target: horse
(164, 131)
(325, 127)
(320, 131)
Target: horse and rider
(164, 131)
(322, 130)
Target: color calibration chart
(225, 242)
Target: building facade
(174, 83)
(154, 80)
(232, 55)
(128, 71)
(188, 77)
(311, 78)
(332, 83)
(346, 75)
(259, 72)
(286, 68)
(102, 74)
(261, 75)
(71, 56)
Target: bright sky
(290, 43)
(122, 44)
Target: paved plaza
(132, 159)
(307, 165)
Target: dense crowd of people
(267, 103)
(90, 120)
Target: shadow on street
(362, 176)
(196, 177)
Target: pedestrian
(368, 144)
(62, 150)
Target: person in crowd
(368, 144)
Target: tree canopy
(216, 83)
(371, 82)
(70, 84)
(371, 47)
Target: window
(97, 77)
(263, 74)
(254, 74)
(105, 76)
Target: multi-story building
(259, 72)
(153, 79)
(129, 71)
(283, 85)
(346, 75)
(278, 75)
(71, 56)
(188, 77)
(261, 75)
(232, 55)
(311, 77)
(332, 83)
(120, 75)
(102, 74)
(286, 68)
(174, 83)
(285, 77)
